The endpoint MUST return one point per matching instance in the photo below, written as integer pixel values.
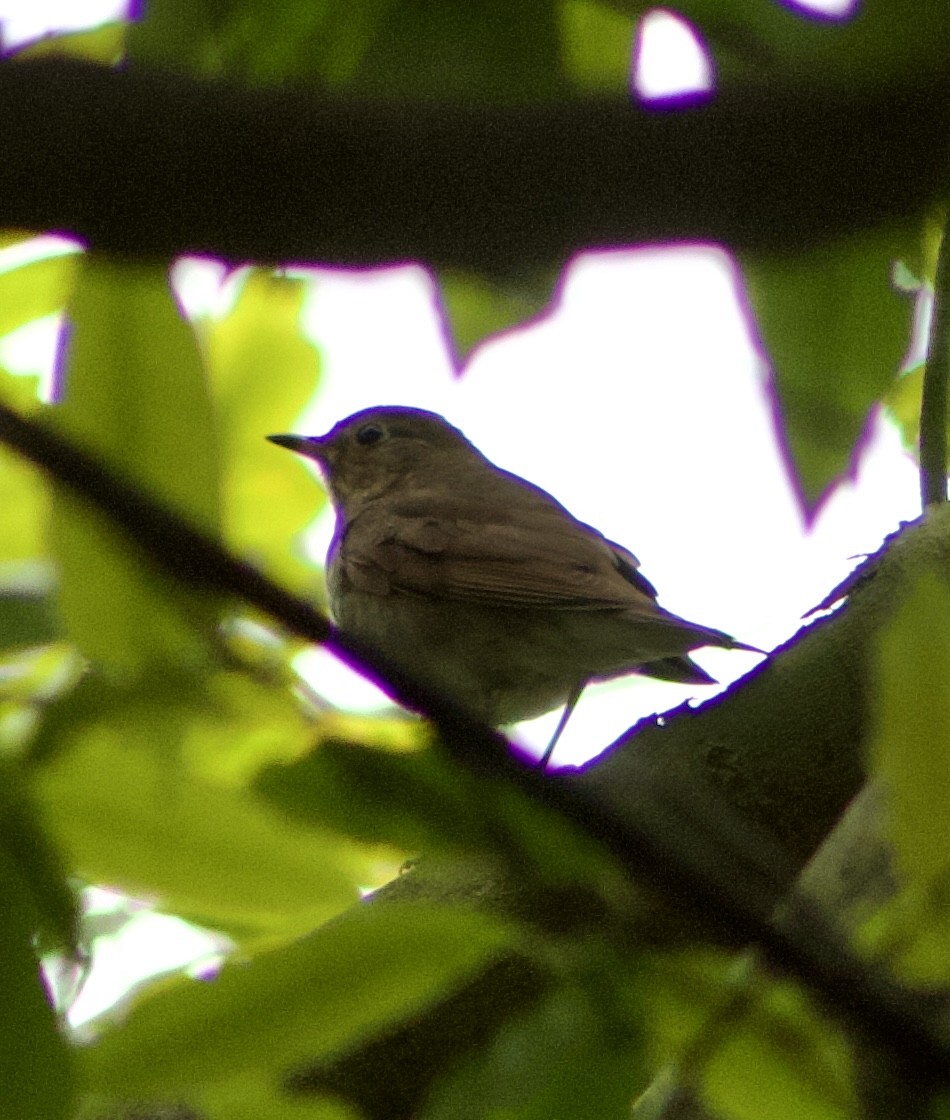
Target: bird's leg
(574, 696)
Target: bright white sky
(641, 404)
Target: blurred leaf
(883, 42)
(105, 44)
(473, 308)
(263, 373)
(136, 395)
(779, 1060)
(480, 50)
(909, 753)
(597, 43)
(129, 812)
(560, 1060)
(46, 903)
(422, 801)
(483, 50)
(835, 331)
(36, 1076)
(24, 498)
(332, 989)
(902, 401)
(260, 1096)
(27, 618)
(35, 290)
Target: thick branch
(160, 165)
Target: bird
(479, 582)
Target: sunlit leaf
(135, 393)
(104, 44)
(35, 290)
(128, 811)
(263, 373)
(835, 332)
(296, 1003)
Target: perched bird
(479, 582)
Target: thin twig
(691, 846)
(933, 404)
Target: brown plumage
(479, 581)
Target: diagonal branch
(692, 847)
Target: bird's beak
(311, 446)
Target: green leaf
(24, 498)
(909, 753)
(263, 372)
(136, 395)
(329, 991)
(560, 1060)
(422, 801)
(132, 794)
(777, 1059)
(260, 1096)
(27, 617)
(473, 308)
(32, 291)
(36, 1076)
(483, 50)
(883, 42)
(105, 44)
(46, 903)
(835, 332)
(902, 402)
(597, 42)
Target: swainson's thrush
(479, 582)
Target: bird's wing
(536, 556)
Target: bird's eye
(369, 434)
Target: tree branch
(158, 165)
(680, 837)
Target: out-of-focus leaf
(258, 1095)
(263, 373)
(902, 401)
(27, 618)
(36, 1074)
(484, 50)
(46, 903)
(422, 801)
(473, 308)
(779, 1060)
(104, 44)
(562, 1059)
(835, 332)
(24, 498)
(910, 754)
(883, 42)
(129, 811)
(35, 290)
(135, 394)
(330, 990)
(597, 44)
